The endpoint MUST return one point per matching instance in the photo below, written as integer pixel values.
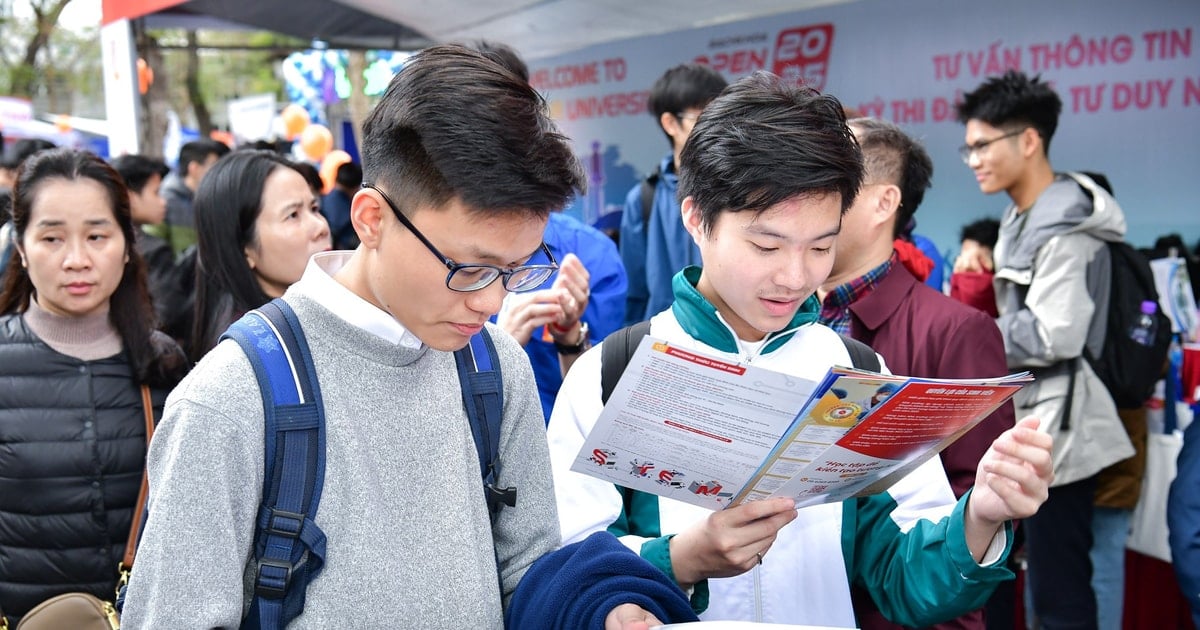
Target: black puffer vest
(72, 449)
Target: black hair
(153, 358)
(984, 231)
(263, 145)
(349, 176)
(311, 176)
(763, 141)
(686, 86)
(894, 157)
(198, 151)
(504, 55)
(454, 124)
(1012, 100)
(1101, 180)
(136, 170)
(227, 206)
(22, 149)
(1167, 244)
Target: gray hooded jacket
(1052, 291)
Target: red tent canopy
(113, 10)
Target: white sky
(79, 14)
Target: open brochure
(699, 429)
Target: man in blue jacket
(654, 244)
(1183, 518)
(577, 307)
(581, 303)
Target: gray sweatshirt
(409, 542)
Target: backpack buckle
(272, 578)
(496, 496)
(284, 523)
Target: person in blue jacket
(654, 244)
(575, 308)
(1183, 518)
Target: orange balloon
(329, 168)
(145, 76)
(224, 137)
(316, 141)
(295, 120)
(62, 122)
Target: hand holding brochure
(699, 429)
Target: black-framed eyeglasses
(692, 116)
(465, 278)
(967, 150)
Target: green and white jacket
(906, 546)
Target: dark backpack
(289, 548)
(1128, 369)
(615, 353)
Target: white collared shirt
(319, 284)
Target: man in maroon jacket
(874, 298)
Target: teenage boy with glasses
(473, 157)
(1051, 284)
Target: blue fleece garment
(578, 585)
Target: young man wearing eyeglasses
(654, 245)
(765, 206)
(462, 166)
(1051, 285)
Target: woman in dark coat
(77, 341)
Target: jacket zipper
(758, 613)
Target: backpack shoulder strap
(483, 398)
(289, 547)
(648, 187)
(615, 353)
(861, 355)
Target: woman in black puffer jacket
(76, 343)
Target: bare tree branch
(25, 75)
(195, 94)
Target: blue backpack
(289, 548)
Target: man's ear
(1031, 142)
(690, 211)
(670, 124)
(366, 215)
(888, 204)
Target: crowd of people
(776, 222)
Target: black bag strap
(1072, 366)
(861, 355)
(289, 548)
(648, 187)
(615, 353)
